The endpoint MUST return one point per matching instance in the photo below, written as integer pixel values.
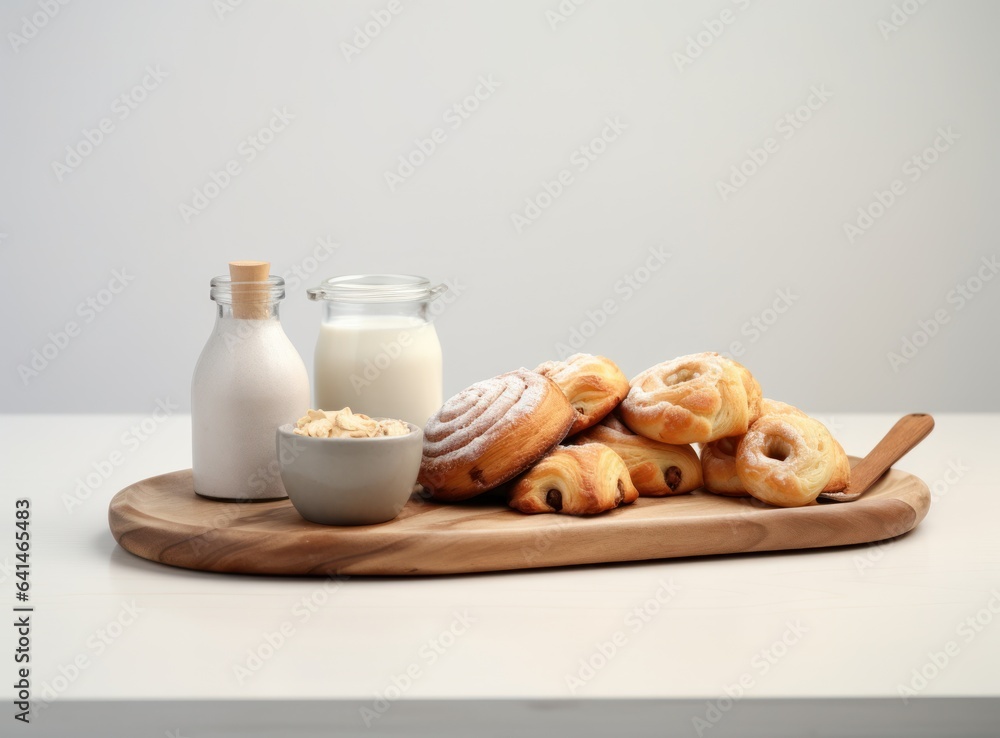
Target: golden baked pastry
(692, 399)
(575, 480)
(718, 458)
(773, 407)
(490, 432)
(718, 467)
(841, 472)
(787, 460)
(594, 386)
(657, 469)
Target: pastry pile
(576, 437)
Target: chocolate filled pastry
(718, 458)
(575, 480)
(490, 432)
(594, 386)
(656, 469)
(692, 399)
(787, 460)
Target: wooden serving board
(161, 519)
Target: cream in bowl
(344, 468)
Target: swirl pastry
(787, 460)
(490, 432)
(575, 480)
(718, 458)
(657, 469)
(594, 386)
(692, 399)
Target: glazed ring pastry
(575, 480)
(718, 458)
(657, 469)
(787, 460)
(594, 386)
(692, 399)
(490, 432)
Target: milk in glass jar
(378, 352)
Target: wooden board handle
(907, 433)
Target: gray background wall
(887, 87)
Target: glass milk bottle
(378, 352)
(249, 380)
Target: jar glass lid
(375, 288)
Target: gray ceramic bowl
(349, 481)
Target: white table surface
(868, 615)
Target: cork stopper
(250, 302)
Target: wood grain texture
(161, 519)
(902, 437)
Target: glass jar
(249, 380)
(378, 352)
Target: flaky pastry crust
(692, 399)
(574, 480)
(657, 469)
(594, 386)
(787, 460)
(490, 432)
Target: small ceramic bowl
(349, 481)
